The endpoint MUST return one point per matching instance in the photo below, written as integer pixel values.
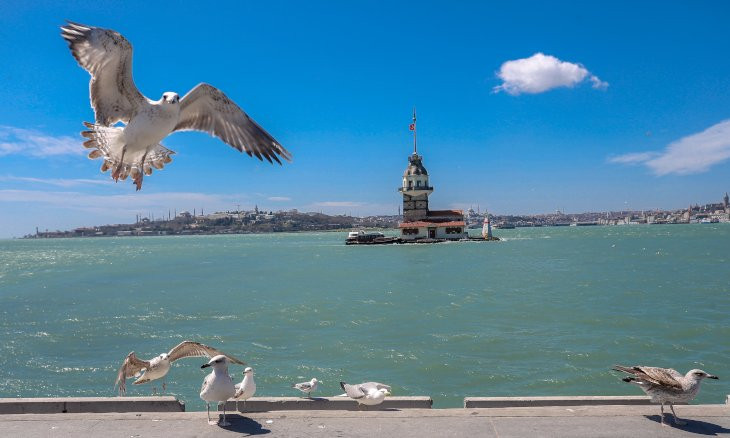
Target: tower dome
(415, 166)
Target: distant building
(419, 222)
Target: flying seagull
(134, 149)
(217, 386)
(246, 389)
(665, 385)
(157, 367)
(307, 387)
(369, 393)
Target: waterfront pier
(592, 416)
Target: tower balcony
(415, 191)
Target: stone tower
(415, 189)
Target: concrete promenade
(568, 420)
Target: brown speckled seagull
(665, 385)
(134, 149)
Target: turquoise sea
(546, 311)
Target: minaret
(415, 188)
(725, 202)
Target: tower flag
(412, 127)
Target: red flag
(412, 127)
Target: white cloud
(58, 182)
(36, 144)
(633, 158)
(692, 154)
(279, 198)
(121, 204)
(338, 204)
(540, 73)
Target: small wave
(256, 344)
(224, 317)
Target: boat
(369, 238)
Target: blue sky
(524, 107)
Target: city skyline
(522, 110)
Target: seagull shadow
(692, 426)
(245, 425)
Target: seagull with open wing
(134, 149)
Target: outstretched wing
(196, 349)
(107, 56)
(205, 108)
(131, 367)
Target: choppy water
(547, 311)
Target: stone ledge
(515, 402)
(90, 405)
(266, 404)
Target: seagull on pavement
(369, 393)
(665, 385)
(217, 386)
(134, 149)
(246, 389)
(307, 387)
(158, 367)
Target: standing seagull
(157, 367)
(370, 393)
(217, 386)
(665, 385)
(307, 387)
(133, 150)
(246, 389)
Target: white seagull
(246, 389)
(307, 387)
(217, 386)
(369, 393)
(158, 367)
(134, 149)
(665, 385)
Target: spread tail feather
(107, 142)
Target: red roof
(421, 224)
(459, 213)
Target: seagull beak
(204, 366)
(710, 376)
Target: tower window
(418, 183)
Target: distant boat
(370, 238)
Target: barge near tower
(420, 224)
